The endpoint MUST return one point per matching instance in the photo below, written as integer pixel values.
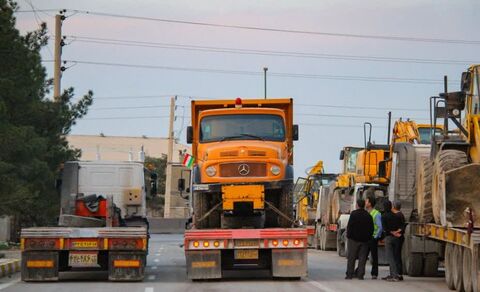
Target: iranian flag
(188, 160)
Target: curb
(9, 267)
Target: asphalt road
(166, 272)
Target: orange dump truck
(242, 197)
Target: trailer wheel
(340, 243)
(424, 191)
(430, 265)
(449, 254)
(316, 240)
(475, 269)
(445, 160)
(458, 267)
(286, 206)
(467, 270)
(200, 207)
(323, 238)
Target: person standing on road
(359, 232)
(397, 205)
(393, 226)
(377, 231)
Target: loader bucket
(462, 191)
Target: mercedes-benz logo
(243, 169)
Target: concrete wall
(5, 228)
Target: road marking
(320, 286)
(157, 254)
(14, 280)
(151, 277)
(148, 289)
(154, 267)
(156, 260)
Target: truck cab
(243, 152)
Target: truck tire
(449, 266)
(340, 243)
(430, 265)
(458, 267)
(200, 207)
(467, 270)
(445, 160)
(286, 206)
(414, 264)
(424, 191)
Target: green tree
(32, 126)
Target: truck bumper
(217, 187)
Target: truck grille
(243, 170)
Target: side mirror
(295, 133)
(466, 81)
(342, 154)
(181, 184)
(189, 134)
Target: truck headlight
(275, 170)
(211, 171)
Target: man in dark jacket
(394, 227)
(359, 232)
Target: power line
(291, 31)
(283, 74)
(131, 107)
(125, 118)
(360, 107)
(187, 47)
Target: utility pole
(57, 70)
(168, 182)
(265, 69)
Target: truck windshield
(426, 135)
(242, 127)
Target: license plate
(246, 254)
(84, 244)
(83, 259)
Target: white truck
(102, 225)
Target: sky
(331, 103)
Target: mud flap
(39, 266)
(461, 191)
(126, 266)
(204, 264)
(289, 262)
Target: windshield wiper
(240, 136)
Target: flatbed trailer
(121, 251)
(210, 252)
(461, 253)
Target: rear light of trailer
(296, 242)
(285, 242)
(126, 263)
(42, 243)
(206, 244)
(216, 243)
(275, 242)
(126, 243)
(196, 244)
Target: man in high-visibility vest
(370, 202)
